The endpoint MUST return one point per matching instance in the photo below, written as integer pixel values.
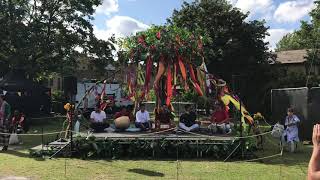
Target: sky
(126, 17)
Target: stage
(180, 136)
(168, 144)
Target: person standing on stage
(5, 113)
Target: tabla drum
(122, 122)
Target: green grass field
(17, 162)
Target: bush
(58, 96)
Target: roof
(292, 56)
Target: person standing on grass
(98, 120)
(291, 122)
(188, 120)
(143, 119)
(18, 122)
(314, 164)
(5, 113)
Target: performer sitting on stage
(164, 116)
(143, 119)
(188, 120)
(98, 120)
(220, 117)
(125, 112)
(122, 112)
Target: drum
(122, 122)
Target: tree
(237, 46)
(306, 37)
(42, 35)
(175, 51)
(290, 41)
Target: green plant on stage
(92, 148)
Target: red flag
(183, 72)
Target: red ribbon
(169, 85)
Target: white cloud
(108, 7)
(292, 11)
(233, 2)
(120, 26)
(101, 34)
(275, 36)
(256, 7)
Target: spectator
(188, 120)
(5, 113)
(291, 132)
(18, 122)
(143, 119)
(98, 120)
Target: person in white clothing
(98, 120)
(291, 122)
(143, 119)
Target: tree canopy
(165, 41)
(237, 50)
(306, 37)
(42, 35)
(175, 51)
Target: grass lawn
(17, 162)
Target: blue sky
(125, 17)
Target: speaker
(70, 85)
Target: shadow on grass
(22, 155)
(16, 153)
(146, 172)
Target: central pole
(241, 128)
(240, 116)
(71, 135)
(71, 123)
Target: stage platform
(152, 144)
(152, 136)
